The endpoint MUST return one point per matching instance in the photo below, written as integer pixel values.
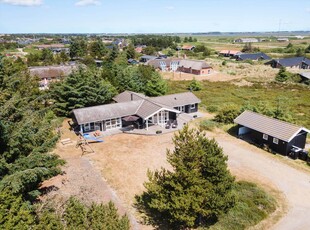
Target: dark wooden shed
(278, 135)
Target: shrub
(224, 63)
(208, 125)
(194, 85)
(212, 108)
(227, 115)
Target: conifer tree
(156, 86)
(198, 189)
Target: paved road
(293, 183)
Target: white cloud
(87, 2)
(23, 2)
(169, 7)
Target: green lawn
(294, 98)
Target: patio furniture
(175, 124)
(168, 124)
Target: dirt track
(254, 164)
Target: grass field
(293, 98)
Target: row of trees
(89, 87)
(157, 41)
(27, 134)
(46, 57)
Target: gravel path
(255, 163)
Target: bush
(208, 125)
(194, 85)
(224, 63)
(227, 116)
(283, 75)
(212, 108)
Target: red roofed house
(188, 47)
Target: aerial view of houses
(154, 115)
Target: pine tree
(130, 52)
(198, 189)
(156, 86)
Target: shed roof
(194, 64)
(273, 127)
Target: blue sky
(152, 16)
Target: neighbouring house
(135, 109)
(246, 40)
(132, 61)
(255, 57)
(294, 62)
(140, 48)
(305, 77)
(169, 64)
(229, 53)
(275, 134)
(41, 47)
(120, 43)
(55, 48)
(146, 58)
(181, 65)
(49, 74)
(282, 39)
(194, 67)
(188, 47)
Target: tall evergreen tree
(80, 89)
(156, 86)
(130, 51)
(198, 189)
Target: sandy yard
(118, 169)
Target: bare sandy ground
(119, 165)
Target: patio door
(163, 117)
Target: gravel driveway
(252, 162)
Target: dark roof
(289, 62)
(255, 56)
(178, 99)
(270, 126)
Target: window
(193, 106)
(113, 123)
(275, 141)
(86, 127)
(265, 136)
